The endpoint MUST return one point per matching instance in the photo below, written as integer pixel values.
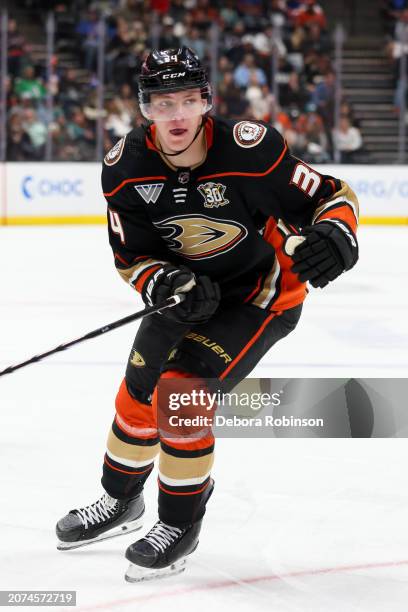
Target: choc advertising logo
(34, 187)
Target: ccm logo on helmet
(175, 75)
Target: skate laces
(101, 510)
(161, 535)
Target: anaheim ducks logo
(199, 236)
(114, 155)
(137, 360)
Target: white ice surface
(284, 510)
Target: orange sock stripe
(173, 493)
(125, 471)
(135, 416)
(248, 345)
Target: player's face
(177, 117)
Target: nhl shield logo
(183, 177)
(213, 194)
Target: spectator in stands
(315, 39)
(292, 92)
(127, 99)
(229, 15)
(118, 121)
(316, 141)
(224, 65)
(177, 10)
(120, 53)
(36, 131)
(90, 108)
(19, 147)
(194, 39)
(231, 95)
(278, 13)
(346, 110)
(29, 87)
(234, 47)
(167, 38)
(70, 94)
(17, 48)
(348, 140)
(243, 71)
(81, 134)
(390, 11)
(203, 14)
(62, 148)
(401, 26)
(311, 68)
(323, 96)
(129, 10)
(285, 123)
(88, 30)
(310, 12)
(396, 49)
(251, 11)
(284, 70)
(259, 98)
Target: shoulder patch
(115, 153)
(248, 134)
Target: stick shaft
(169, 303)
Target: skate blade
(118, 531)
(136, 573)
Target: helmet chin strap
(148, 135)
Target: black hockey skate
(106, 518)
(162, 552)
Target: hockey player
(220, 211)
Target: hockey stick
(169, 303)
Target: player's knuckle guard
(200, 303)
(344, 240)
(164, 282)
(203, 301)
(330, 248)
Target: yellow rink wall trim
(101, 220)
(83, 220)
(384, 220)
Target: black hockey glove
(329, 249)
(202, 296)
(201, 302)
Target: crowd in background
(250, 34)
(395, 19)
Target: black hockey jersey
(227, 218)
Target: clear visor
(165, 107)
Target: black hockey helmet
(172, 70)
